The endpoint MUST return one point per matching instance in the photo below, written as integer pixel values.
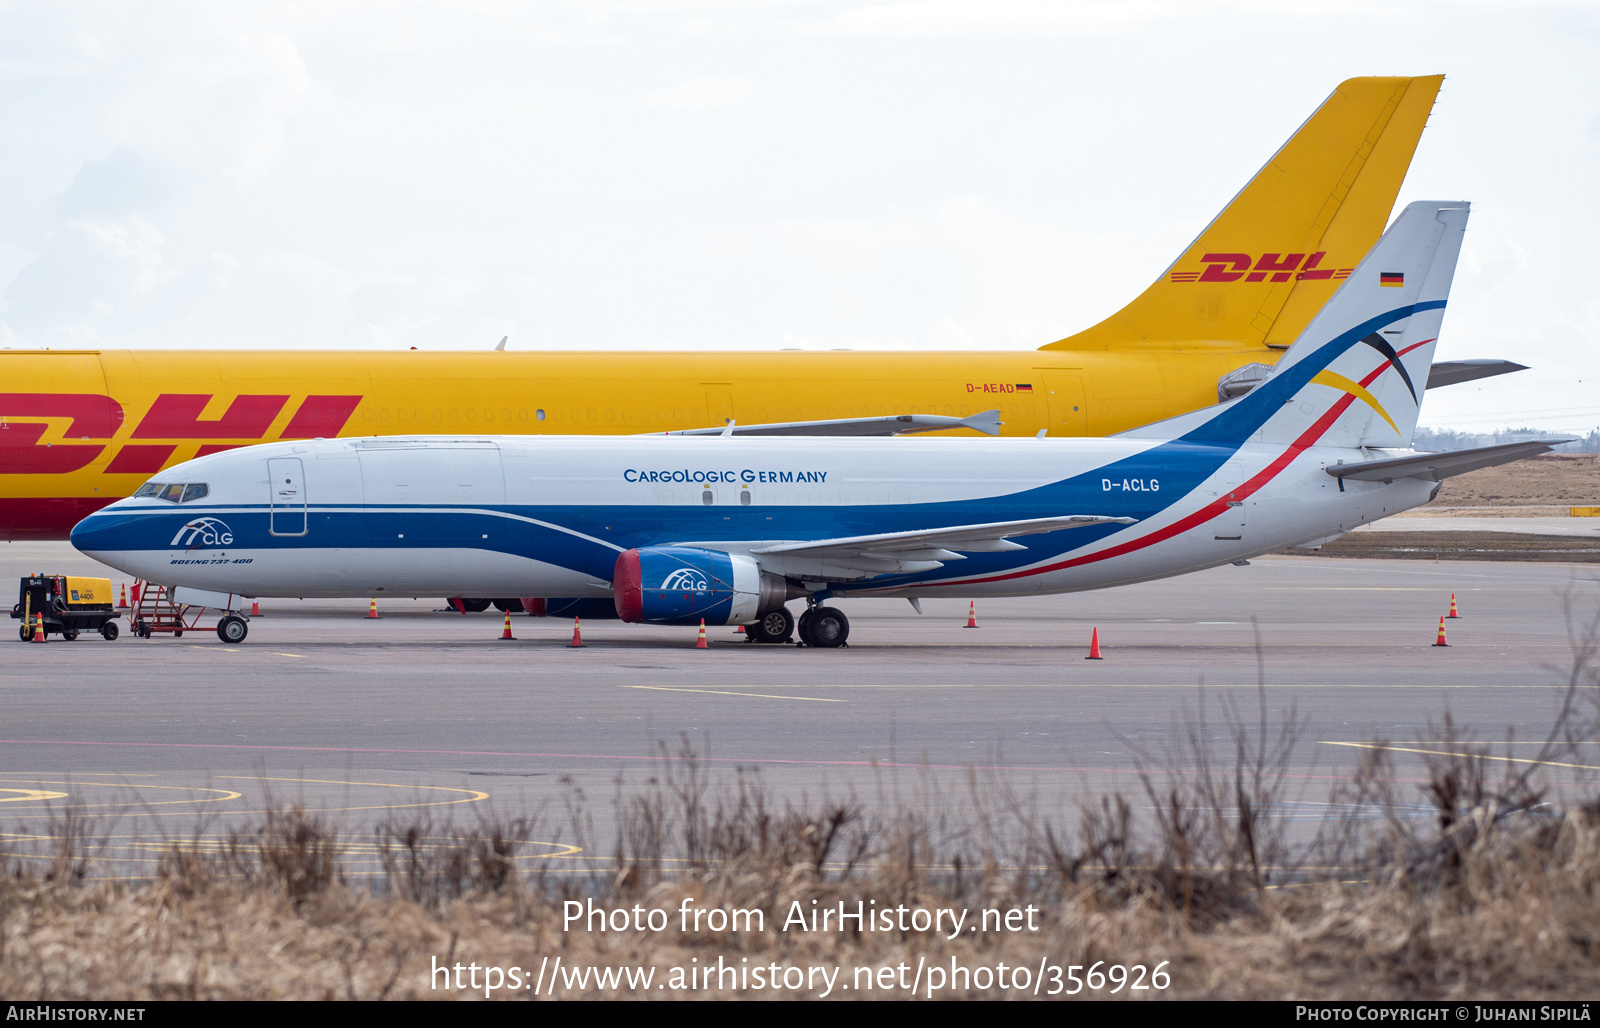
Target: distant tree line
(1447, 439)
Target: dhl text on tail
(80, 429)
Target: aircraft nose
(98, 537)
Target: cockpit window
(149, 489)
(194, 491)
(172, 493)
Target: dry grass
(1495, 894)
(1551, 479)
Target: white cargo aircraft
(672, 530)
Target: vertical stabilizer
(1260, 271)
(1356, 375)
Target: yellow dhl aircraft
(83, 428)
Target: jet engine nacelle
(679, 585)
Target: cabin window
(400, 415)
(522, 414)
(744, 497)
(538, 415)
(488, 415)
(149, 489)
(472, 415)
(706, 498)
(436, 416)
(194, 491)
(505, 414)
(455, 415)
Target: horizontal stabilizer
(1439, 466)
(987, 422)
(1449, 373)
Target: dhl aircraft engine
(681, 585)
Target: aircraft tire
(474, 606)
(802, 628)
(775, 626)
(829, 627)
(508, 606)
(232, 629)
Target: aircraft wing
(987, 422)
(1439, 466)
(861, 556)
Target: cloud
(701, 94)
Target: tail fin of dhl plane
(1356, 375)
(1264, 267)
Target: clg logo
(686, 580)
(203, 532)
(1231, 267)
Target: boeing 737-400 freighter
(80, 429)
(728, 529)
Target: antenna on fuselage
(501, 345)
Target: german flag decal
(1024, 387)
(1391, 278)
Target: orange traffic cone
(972, 614)
(700, 643)
(1094, 646)
(739, 630)
(372, 611)
(255, 608)
(577, 637)
(1441, 641)
(1453, 612)
(506, 635)
(122, 604)
(38, 631)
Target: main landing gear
(775, 626)
(824, 627)
(821, 627)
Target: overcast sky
(745, 175)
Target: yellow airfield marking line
(473, 795)
(1096, 685)
(31, 794)
(226, 794)
(297, 656)
(1451, 753)
(729, 692)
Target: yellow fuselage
(88, 427)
